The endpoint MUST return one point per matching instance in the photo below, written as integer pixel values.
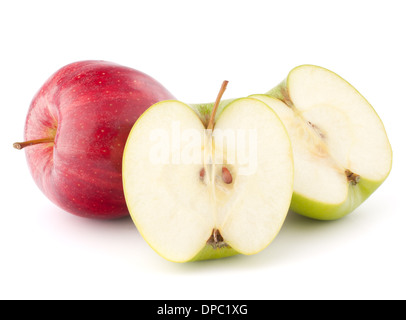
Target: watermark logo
(178, 145)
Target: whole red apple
(76, 130)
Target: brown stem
(210, 126)
(22, 145)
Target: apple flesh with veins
(75, 133)
(199, 188)
(341, 150)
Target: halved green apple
(341, 151)
(202, 191)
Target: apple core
(212, 207)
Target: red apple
(76, 130)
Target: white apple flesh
(210, 208)
(341, 151)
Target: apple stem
(210, 126)
(22, 145)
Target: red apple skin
(89, 108)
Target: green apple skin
(311, 208)
(210, 253)
(357, 194)
(207, 253)
(324, 211)
(203, 110)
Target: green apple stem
(210, 125)
(22, 145)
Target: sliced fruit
(341, 151)
(200, 194)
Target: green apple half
(188, 190)
(341, 151)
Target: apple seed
(202, 174)
(226, 175)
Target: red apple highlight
(76, 130)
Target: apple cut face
(341, 150)
(200, 194)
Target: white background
(191, 47)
